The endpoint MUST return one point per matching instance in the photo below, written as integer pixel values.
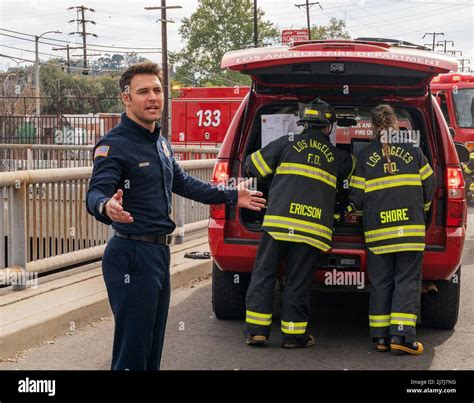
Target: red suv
(353, 76)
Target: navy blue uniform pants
(137, 278)
(300, 261)
(395, 293)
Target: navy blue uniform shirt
(141, 163)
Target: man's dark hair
(139, 68)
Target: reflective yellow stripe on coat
(392, 181)
(394, 232)
(300, 225)
(308, 171)
(260, 164)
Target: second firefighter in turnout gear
(468, 169)
(298, 223)
(394, 185)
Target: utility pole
(462, 62)
(255, 24)
(166, 116)
(68, 48)
(84, 33)
(37, 69)
(445, 42)
(308, 5)
(434, 35)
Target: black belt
(161, 239)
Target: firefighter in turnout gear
(393, 184)
(468, 169)
(298, 223)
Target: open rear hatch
(340, 65)
(351, 73)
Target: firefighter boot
(255, 340)
(399, 346)
(308, 342)
(381, 344)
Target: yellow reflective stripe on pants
(397, 318)
(425, 172)
(300, 225)
(379, 320)
(392, 181)
(426, 206)
(293, 327)
(283, 236)
(260, 164)
(400, 247)
(289, 168)
(393, 232)
(262, 319)
(357, 182)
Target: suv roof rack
(397, 42)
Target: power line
(445, 42)
(166, 121)
(26, 50)
(434, 35)
(308, 5)
(462, 62)
(84, 33)
(61, 64)
(73, 43)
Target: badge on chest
(165, 148)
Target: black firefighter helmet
(317, 113)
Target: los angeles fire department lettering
(399, 214)
(323, 148)
(374, 158)
(305, 210)
(300, 146)
(399, 152)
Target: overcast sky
(127, 24)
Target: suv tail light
(220, 176)
(456, 197)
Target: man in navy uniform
(131, 188)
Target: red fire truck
(455, 95)
(201, 116)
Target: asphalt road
(195, 339)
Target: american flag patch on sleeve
(101, 151)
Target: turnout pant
(137, 278)
(300, 261)
(395, 293)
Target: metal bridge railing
(14, 157)
(44, 224)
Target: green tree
(216, 27)
(336, 29)
(75, 93)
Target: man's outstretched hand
(250, 199)
(115, 211)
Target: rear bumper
(238, 254)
